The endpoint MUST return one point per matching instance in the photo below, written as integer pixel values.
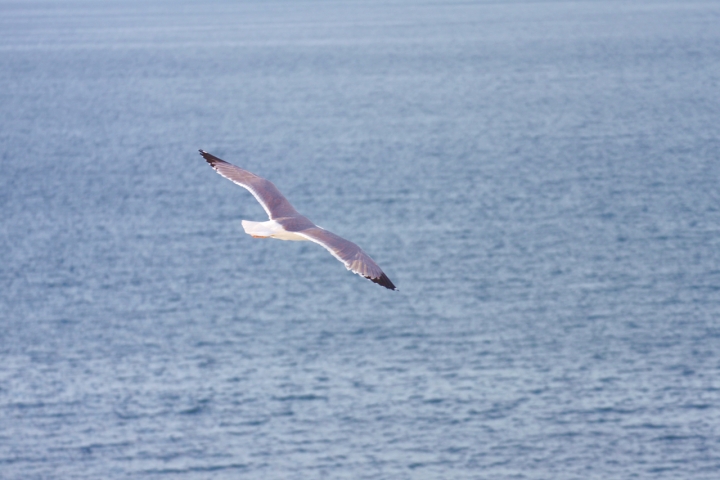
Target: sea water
(539, 179)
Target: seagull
(287, 224)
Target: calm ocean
(541, 180)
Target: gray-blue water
(540, 179)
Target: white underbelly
(270, 229)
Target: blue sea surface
(541, 180)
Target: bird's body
(287, 224)
(270, 229)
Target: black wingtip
(211, 159)
(384, 281)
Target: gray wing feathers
(354, 258)
(274, 203)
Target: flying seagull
(287, 224)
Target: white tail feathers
(270, 229)
(257, 229)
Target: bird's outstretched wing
(354, 258)
(274, 203)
